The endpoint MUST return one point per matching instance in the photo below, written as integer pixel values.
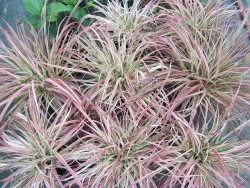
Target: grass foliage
(147, 96)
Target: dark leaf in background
(33, 6)
(79, 13)
(35, 21)
(53, 9)
(69, 2)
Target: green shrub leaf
(69, 2)
(35, 21)
(90, 4)
(79, 13)
(33, 6)
(53, 9)
(203, 1)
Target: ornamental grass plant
(29, 56)
(148, 95)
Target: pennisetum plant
(125, 17)
(114, 68)
(30, 56)
(212, 54)
(207, 154)
(117, 151)
(37, 145)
